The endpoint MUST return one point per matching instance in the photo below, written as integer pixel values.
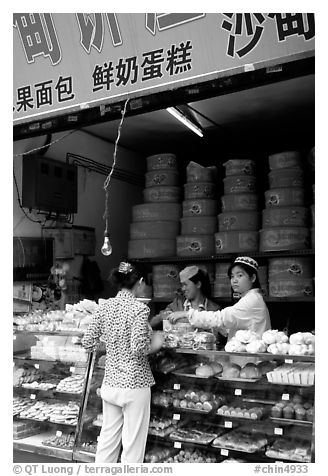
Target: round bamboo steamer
(287, 238)
(198, 225)
(156, 212)
(285, 216)
(239, 167)
(236, 241)
(167, 194)
(239, 202)
(239, 220)
(195, 245)
(154, 229)
(162, 161)
(239, 184)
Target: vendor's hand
(177, 315)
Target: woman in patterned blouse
(122, 322)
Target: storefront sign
(64, 62)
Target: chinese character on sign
(38, 36)
(290, 24)
(154, 60)
(43, 93)
(64, 89)
(235, 24)
(163, 21)
(178, 58)
(127, 70)
(92, 30)
(103, 76)
(25, 98)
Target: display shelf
(251, 457)
(260, 355)
(84, 456)
(223, 257)
(27, 358)
(288, 422)
(171, 442)
(48, 393)
(49, 333)
(49, 422)
(33, 444)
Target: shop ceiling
(260, 117)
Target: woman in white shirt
(249, 313)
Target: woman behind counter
(122, 322)
(196, 289)
(249, 313)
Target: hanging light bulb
(106, 247)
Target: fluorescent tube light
(178, 115)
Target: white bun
(296, 338)
(256, 346)
(204, 371)
(231, 371)
(246, 336)
(235, 346)
(250, 372)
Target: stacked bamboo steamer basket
(285, 217)
(239, 220)
(198, 223)
(156, 222)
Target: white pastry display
(48, 350)
(274, 336)
(256, 346)
(235, 346)
(279, 348)
(245, 337)
(72, 384)
(76, 317)
(273, 341)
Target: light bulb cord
(109, 176)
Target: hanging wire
(46, 145)
(109, 176)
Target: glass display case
(50, 374)
(248, 417)
(214, 416)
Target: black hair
(124, 280)
(205, 285)
(249, 270)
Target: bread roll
(204, 371)
(246, 336)
(234, 346)
(256, 346)
(231, 371)
(250, 371)
(217, 368)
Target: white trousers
(126, 414)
